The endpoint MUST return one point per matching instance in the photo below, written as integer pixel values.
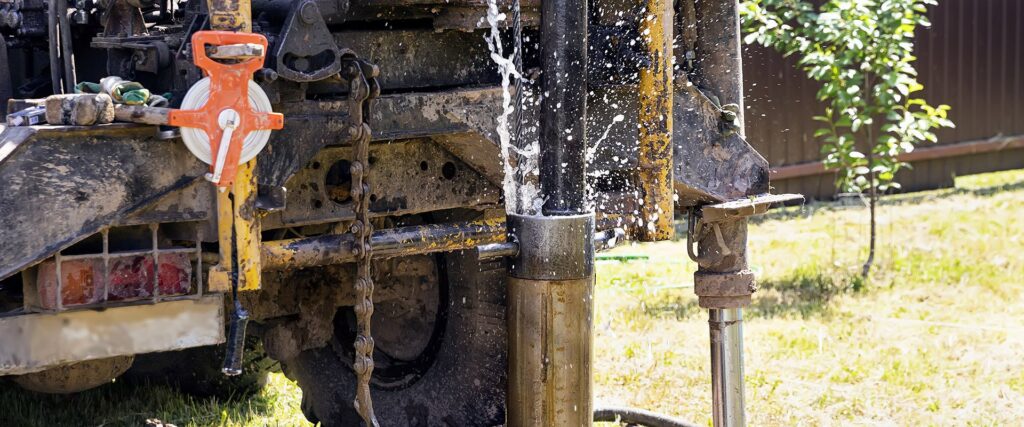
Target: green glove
(88, 87)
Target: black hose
(66, 52)
(637, 416)
(234, 352)
(56, 66)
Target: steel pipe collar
(552, 247)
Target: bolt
(266, 75)
(309, 12)
(350, 70)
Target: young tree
(861, 51)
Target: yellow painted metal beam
(242, 215)
(655, 154)
(230, 15)
(236, 15)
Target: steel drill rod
(727, 367)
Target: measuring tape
(225, 118)
(198, 142)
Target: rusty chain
(363, 84)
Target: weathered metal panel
(411, 59)
(38, 341)
(969, 59)
(62, 184)
(319, 192)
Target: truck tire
(459, 378)
(197, 371)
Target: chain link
(362, 228)
(364, 87)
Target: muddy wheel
(197, 371)
(440, 359)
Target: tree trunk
(872, 201)
(872, 183)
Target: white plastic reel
(199, 143)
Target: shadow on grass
(679, 307)
(802, 293)
(810, 208)
(122, 404)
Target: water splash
(519, 163)
(592, 150)
(594, 199)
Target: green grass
(121, 404)
(936, 337)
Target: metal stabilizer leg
(724, 286)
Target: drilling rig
(329, 178)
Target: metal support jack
(723, 282)
(724, 286)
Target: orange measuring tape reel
(225, 118)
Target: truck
(364, 242)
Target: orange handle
(201, 39)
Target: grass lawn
(936, 337)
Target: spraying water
(519, 163)
(592, 150)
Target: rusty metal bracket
(716, 164)
(743, 208)
(291, 153)
(723, 281)
(306, 50)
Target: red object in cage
(130, 278)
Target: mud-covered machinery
(367, 240)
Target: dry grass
(935, 338)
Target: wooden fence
(971, 59)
